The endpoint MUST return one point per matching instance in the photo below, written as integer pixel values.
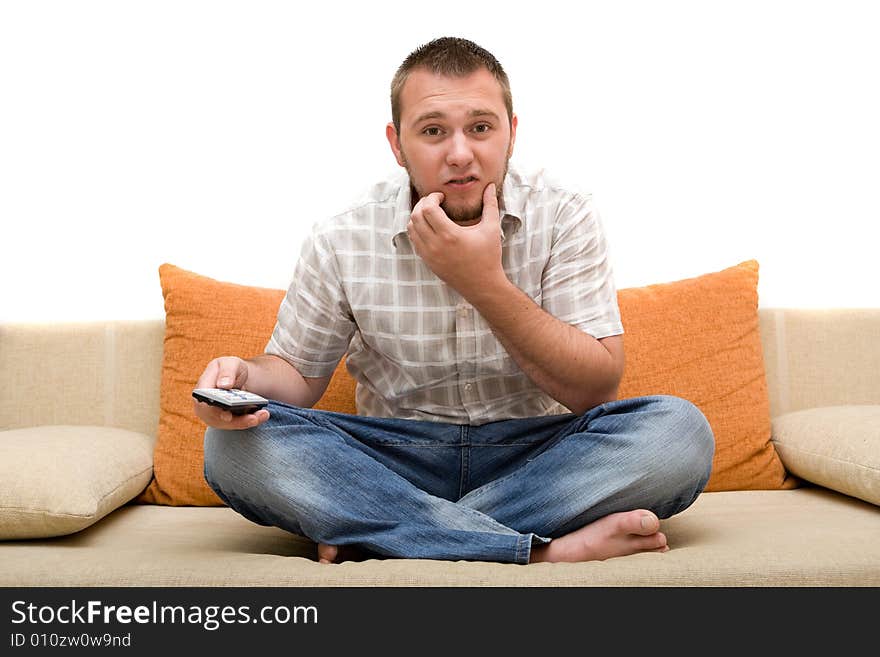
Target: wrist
(489, 291)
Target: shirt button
(467, 387)
(462, 312)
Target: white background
(211, 135)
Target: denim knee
(215, 458)
(230, 459)
(689, 446)
(264, 461)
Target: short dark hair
(450, 56)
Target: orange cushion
(696, 338)
(204, 319)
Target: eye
(431, 131)
(482, 127)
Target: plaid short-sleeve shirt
(417, 349)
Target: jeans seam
(464, 452)
(523, 548)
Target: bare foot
(338, 553)
(615, 535)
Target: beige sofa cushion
(835, 446)
(808, 536)
(57, 480)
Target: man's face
(455, 137)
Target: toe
(648, 523)
(327, 553)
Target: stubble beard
(460, 214)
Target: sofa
(80, 412)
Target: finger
(427, 208)
(490, 203)
(436, 198)
(208, 379)
(436, 218)
(418, 224)
(227, 374)
(210, 415)
(415, 237)
(222, 419)
(490, 196)
(248, 420)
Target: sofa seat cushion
(834, 446)
(55, 480)
(807, 536)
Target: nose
(459, 153)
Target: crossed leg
(595, 492)
(588, 489)
(615, 535)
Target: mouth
(461, 183)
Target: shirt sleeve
(315, 324)
(577, 286)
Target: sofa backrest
(108, 373)
(820, 357)
(83, 373)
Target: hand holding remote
(226, 372)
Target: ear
(394, 142)
(513, 121)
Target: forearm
(569, 365)
(274, 378)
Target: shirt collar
(512, 207)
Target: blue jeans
(429, 490)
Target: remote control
(237, 402)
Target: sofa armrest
(837, 447)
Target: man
(477, 308)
